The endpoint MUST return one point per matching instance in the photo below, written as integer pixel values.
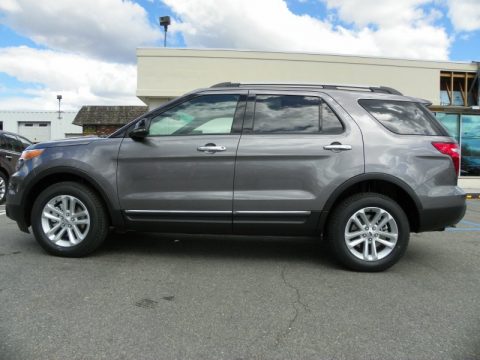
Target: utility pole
(59, 98)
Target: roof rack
(378, 89)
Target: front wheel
(68, 219)
(3, 187)
(368, 232)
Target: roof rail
(378, 89)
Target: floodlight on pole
(165, 21)
(59, 98)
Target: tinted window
(294, 114)
(11, 143)
(403, 117)
(208, 114)
(25, 142)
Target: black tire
(340, 219)
(98, 219)
(4, 179)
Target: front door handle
(337, 147)
(211, 148)
(8, 157)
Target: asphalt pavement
(146, 296)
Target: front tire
(69, 219)
(3, 187)
(368, 232)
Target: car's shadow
(219, 246)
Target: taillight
(451, 149)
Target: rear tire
(368, 232)
(69, 219)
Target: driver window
(208, 114)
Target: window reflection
(451, 123)
(294, 114)
(470, 165)
(209, 114)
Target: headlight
(30, 154)
(27, 155)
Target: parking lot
(145, 296)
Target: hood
(83, 140)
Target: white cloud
(464, 14)
(385, 13)
(403, 29)
(81, 80)
(105, 29)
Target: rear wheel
(368, 232)
(3, 187)
(68, 219)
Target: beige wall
(165, 73)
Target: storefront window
(451, 123)
(470, 163)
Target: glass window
(403, 117)
(12, 143)
(329, 121)
(208, 114)
(451, 122)
(25, 142)
(470, 161)
(294, 114)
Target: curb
(473, 196)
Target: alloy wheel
(65, 220)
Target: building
(451, 87)
(40, 126)
(104, 120)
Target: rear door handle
(337, 147)
(211, 148)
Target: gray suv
(360, 166)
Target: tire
(3, 187)
(69, 219)
(370, 248)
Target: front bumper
(16, 213)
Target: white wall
(164, 72)
(59, 128)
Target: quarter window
(403, 117)
(203, 115)
(294, 114)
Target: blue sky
(86, 50)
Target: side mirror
(140, 131)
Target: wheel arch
(61, 174)
(387, 185)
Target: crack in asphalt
(296, 304)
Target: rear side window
(403, 117)
(276, 114)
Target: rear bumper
(448, 212)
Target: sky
(85, 50)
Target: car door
(180, 176)
(10, 150)
(296, 148)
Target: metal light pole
(165, 21)
(59, 98)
